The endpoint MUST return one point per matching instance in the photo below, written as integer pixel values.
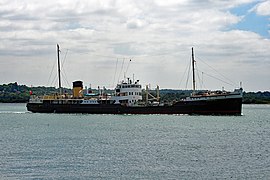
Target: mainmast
(59, 71)
(193, 71)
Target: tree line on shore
(14, 93)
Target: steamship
(127, 99)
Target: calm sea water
(78, 146)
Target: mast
(193, 71)
(59, 71)
(147, 93)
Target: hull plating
(208, 107)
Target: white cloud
(156, 34)
(135, 23)
(263, 8)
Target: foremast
(193, 71)
(59, 70)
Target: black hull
(227, 106)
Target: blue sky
(232, 36)
(251, 20)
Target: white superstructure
(127, 93)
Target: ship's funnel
(77, 89)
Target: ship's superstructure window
(128, 86)
(127, 93)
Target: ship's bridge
(128, 93)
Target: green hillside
(14, 93)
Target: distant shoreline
(267, 103)
(15, 93)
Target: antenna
(128, 66)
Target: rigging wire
(217, 78)
(63, 72)
(51, 74)
(65, 78)
(64, 75)
(115, 71)
(198, 77)
(54, 81)
(64, 59)
(189, 69)
(199, 80)
(202, 81)
(184, 75)
(232, 83)
(127, 67)
(121, 69)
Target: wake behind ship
(127, 99)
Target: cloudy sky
(98, 38)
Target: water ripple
(85, 146)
